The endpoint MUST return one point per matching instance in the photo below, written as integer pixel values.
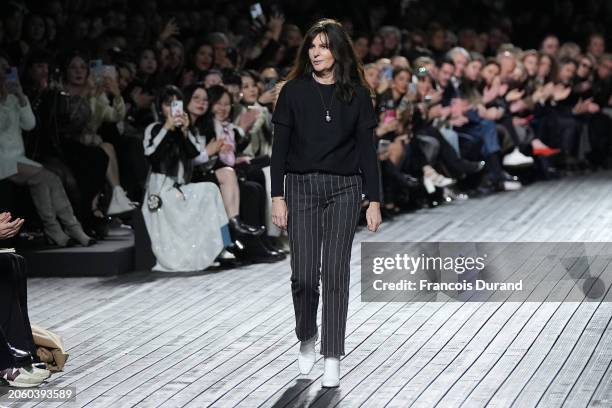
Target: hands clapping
(8, 228)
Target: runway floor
(227, 338)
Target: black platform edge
(107, 258)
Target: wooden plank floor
(227, 339)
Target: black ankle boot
(256, 251)
(237, 226)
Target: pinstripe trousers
(323, 211)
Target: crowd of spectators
(462, 111)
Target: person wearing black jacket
(324, 149)
(19, 364)
(186, 221)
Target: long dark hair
(348, 71)
(165, 96)
(195, 126)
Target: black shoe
(505, 176)
(472, 167)
(272, 244)
(227, 258)
(98, 227)
(407, 181)
(256, 251)
(22, 358)
(240, 227)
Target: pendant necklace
(331, 102)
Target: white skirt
(185, 232)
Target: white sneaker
(120, 203)
(331, 373)
(512, 185)
(36, 371)
(19, 377)
(433, 179)
(517, 159)
(307, 355)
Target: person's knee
(305, 282)
(227, 175)
(50, 177)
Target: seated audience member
(48, 194)
(217, 135)
(94, 89)
(19, 363)
(185, 220)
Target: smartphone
(390, 114)
(12, 75)
(270, 83)
(388, 72)
(412, 88)
(256, 11)
(96, 70)
(176, 108)
(383, 146)
(109, 71)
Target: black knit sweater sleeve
(283, 124)
(368, 160)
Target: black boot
(239, 227)
(256, 251)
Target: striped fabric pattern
(323, 211)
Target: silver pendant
(327, 117)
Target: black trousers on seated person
(6, 358)
(14, 319)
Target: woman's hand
(171, 29)
(214, 146)
(112, 86)
(436, 97)
(243, 159)
(15, 89)
(268, 96)
(226, 147)
(389, 126)
(514, 95)
(184, 120)
(170, 123)
(275, 27)
(279, 212)
(373, 216)
(561, 92)
(8, 228)
(405, 138)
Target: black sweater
(304, 142)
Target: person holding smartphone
(322, 153)
(183, 237)
(46, 189)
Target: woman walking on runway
(323, 151)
